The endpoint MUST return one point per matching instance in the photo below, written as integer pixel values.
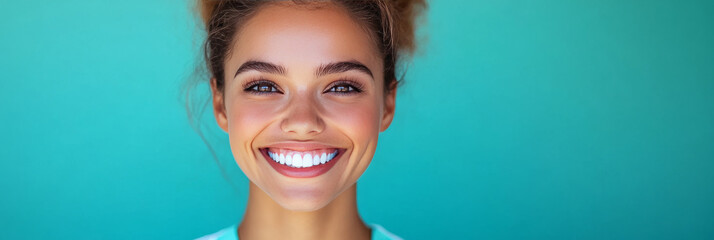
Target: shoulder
(379, 233)
(228, 233)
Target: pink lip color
(307, 172)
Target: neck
(266, 219)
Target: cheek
(360, 120)
(245, 122)
(247, 116)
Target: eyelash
(353, 87)
(356, 87)
(252, 87)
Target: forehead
(296, 36)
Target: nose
(302, 118)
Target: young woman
(303, 89)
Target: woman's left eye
(344, 88)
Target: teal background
(550, 119)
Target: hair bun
(206, 8)
(406, 14)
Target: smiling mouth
(301, 159)
(302, 164)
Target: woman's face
(304, 102)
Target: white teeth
(330, 156)
(307, 160)
(296, 160)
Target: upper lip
(300, 146)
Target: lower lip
(307, 172)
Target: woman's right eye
(262, 87)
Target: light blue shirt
(230, 233)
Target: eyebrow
(261, 67)
(329, 68)
(338, 67)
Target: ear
(219, 108)
(389, 105)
